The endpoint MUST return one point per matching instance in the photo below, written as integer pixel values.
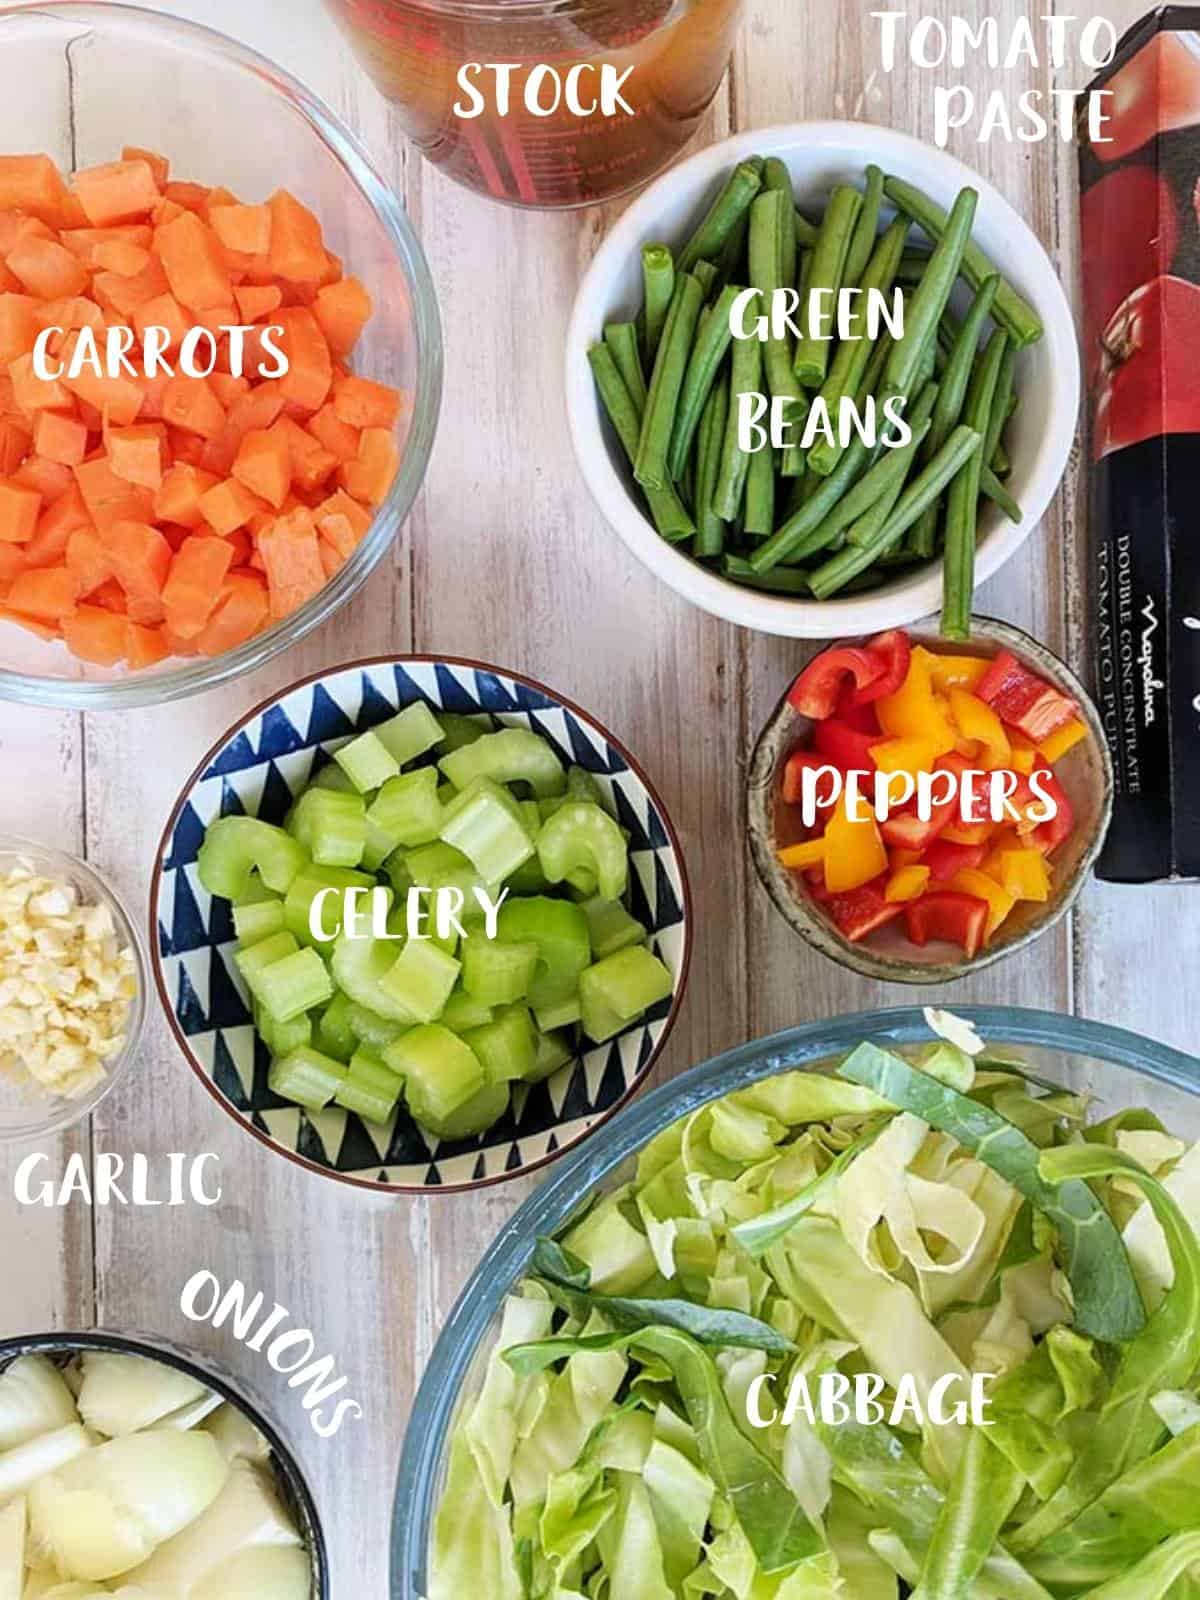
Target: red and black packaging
(1140, 217)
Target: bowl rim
(802, 916)
(576, 1179)
(908, 599)
(76, 866)
(154, 1347)
(421, 658)
(198, 675)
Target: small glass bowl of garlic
(72, 990)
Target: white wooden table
(506, 558)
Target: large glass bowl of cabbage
(1000, 1195)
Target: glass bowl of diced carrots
(220, 359)
(1010, 798)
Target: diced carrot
(136, 454)
(47, 269)
(54, 529)
(297, 250)
(310, 370)
(34, 184)
(178, 499)
(338, 437)
(219, 196)
(118, 191)
(166, 211)
(141, 559)
(262, 407)
(243, 228)
(193, 585)
(32, 394)
(84, 242)
(153, 390)
(338, 531)
(365, 404)
(144, 646)
(192, 258)
(15, 226)
(264, 465)
(49, 593)
(343, 505)
(291, 554)
(163, 311)
(256, 301)
(50, 479)
(110, 595)
(118, 256)
(119, 399)
(18, 326)
(15, 440)
(13, 561)
(190, 403)
(312, 464)
(159, 165)
(343, 309)
(228, 389)
(19, 508)
(370, 477)
(60, 438)
(89, 559)
(185, 448)
(331, 560)
(110, 499)
(122, 296)
(96, 635)
(229, 505)
(241, 613)
(75, 312)
(191, 196)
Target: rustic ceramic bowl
(1086, 773)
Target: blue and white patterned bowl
(257, 769)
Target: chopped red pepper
(945, 859)
(846, 747)
(1056, 830)
(1023, 700)
(948, 916)
(894, 653)
(815, 692)
(860, 717)
(793, 776)
(860, 911)
(905, 830)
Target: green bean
(745, 378)
(710, 529)
(768, 219)
(1000, 463)
(658, 284)
(913, 263)
(952, 394)
(713, 339)
(1000, 403)
(705, 274)
(929, 301)
(731, 263)
(784, 542)
(807, 233)
(825, 278)
(670, 515)
(1013, 312)
(962, 505)
(990, 485)
(670, 367)
(723, 215)
(862, 243)
(778, 179)
(759, 518)
(622, 340)
(854, 352)
(833, 574)
(791, 580)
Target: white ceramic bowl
(819, 155)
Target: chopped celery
(560, 1015)
(531, 817)
(560, 931)
(512, 755)
(258, 920)
(459, 731)
(486, 825)
(307, 1077)
(581, 785)
(297, 983)
(407, 809)
(367, 762)
(331, 776)
(597, 1018)
(335, 1037)
(446, 792)
(281, 1038)
(376, 848)
(307, 886)
(440, 1072)
(235, 846)
(528, 878)
(358, 966)
(256, 958)
(409, 734)
(554, 1051)
(498, 971)
(376, 1032)
(582, 884)
(581, 835)
(421, 979)
(371, 1090)
(621, 987)
(395, 870)
(610, 927)
(507, 1047)
(481, 1112)
(440, 866)
(331, 826)
(463, 1011)
(255, 893)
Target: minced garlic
(66, 983)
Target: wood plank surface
(505, 557)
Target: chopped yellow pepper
(799, 857)
(904, 858)
(954, 672)
(1067, 737)
(913, 712)
(1024, 754)
(854, 852)
(907, 883)
(905, 755)
(999, 901)
(1006, 839)
(1025, 874)
(968, 832)
(975, 719)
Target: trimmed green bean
(862, 243)
(962, 505)
(768, 273)
(786, 540)
(658, 285)
(933, 292)
(789, 580)
(833, 575)
(990, 485)
(1000, 405)
(1000, 463)
(723, 215)
(778, 179)
(671, 516)
(745, 378)
(670, 368)
(713, 339)
(759, 518)
(807, 232)
(705, 274)
(1013, 312)
(731, 263)
(825, 277)
(710, 528)
(622, 340)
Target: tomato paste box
(1141, 295)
